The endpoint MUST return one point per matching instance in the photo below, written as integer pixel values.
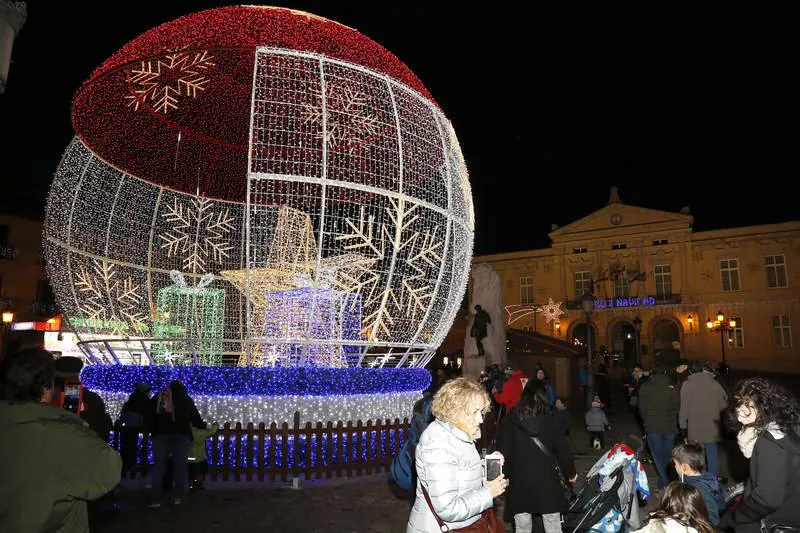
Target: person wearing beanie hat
(512, 388)
(596, 424)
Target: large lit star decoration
(350, 121)
(197, 232)
(164, 80)
(551, 311)
(291, 264)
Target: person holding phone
(452, 489)
(536, 453)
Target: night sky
(551, 110)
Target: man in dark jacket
(175, 414)
(659, 403)
(51, 463)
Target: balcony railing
(8, 252)
(601, 304)
(44, 309)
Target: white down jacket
(449, 467)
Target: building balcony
(8, 252)
(601, 304)
(44, 309)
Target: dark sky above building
(551, 109)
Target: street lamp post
(587, 303)
(637, 325)
(721, 326)
(8, 320)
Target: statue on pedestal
(485, 341)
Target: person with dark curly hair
(51, 462)
(770, 436)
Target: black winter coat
(772, 491)
(659, 403)
(534, 487)
(185, 416)
(139, 403)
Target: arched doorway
(578, 336)
(623, 343)
(666, 341)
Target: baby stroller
(607, 502)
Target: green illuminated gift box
(194, 317)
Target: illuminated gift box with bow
(308, 318)
(189, 312)
(309, 307)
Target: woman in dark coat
(175, 415)
(770, 437)
(534, 487)
(136, 417)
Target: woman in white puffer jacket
(449, 468)
(681, 510)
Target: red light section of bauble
(213, 127)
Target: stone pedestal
(487, 291)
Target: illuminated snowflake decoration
(163, 81)
(351, 121)
(108, 298)
(197, 232)
(422, 251)
(551, 311)
(170, 358)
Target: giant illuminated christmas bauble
(261, 186)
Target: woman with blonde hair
(452, 493)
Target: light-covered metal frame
(355, 183)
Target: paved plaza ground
(359, 504)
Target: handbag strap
(442, 525)
(549, 455)
(541, 446)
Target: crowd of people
(55, 462)
(683, 402)
(681, 411)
